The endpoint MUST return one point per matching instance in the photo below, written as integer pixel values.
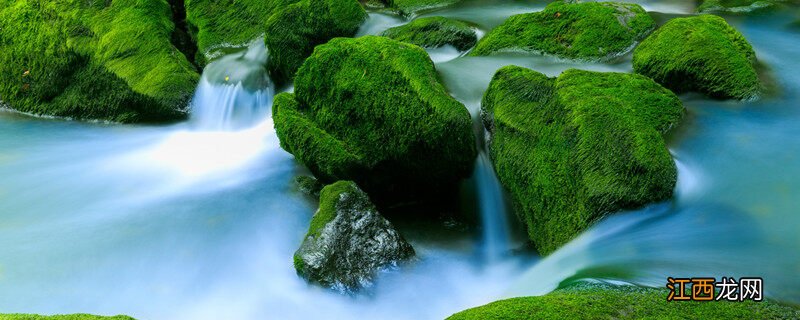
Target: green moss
(293, 32)
(328, 199)
(411, 7)
(219, 23)
(735, 6)
(373, 110)
(79, 316)
(701, 53)
(586, 30)
(92, 60)
(623, 302)
(574, 148)
(434, 32)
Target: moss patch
(574, 148)
(586, 30)
(79, 316)
(434, 32)
(373, 110)
(293, 33)
(93, 60)
(701, 53)
(623, 302)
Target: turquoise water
(173, 222)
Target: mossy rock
(435, 32)
(736, 6)
(293, 32)
(348, 241)
(92, 60)
(596, 301)
(574, 148)
(584, 30)
(77, 316)
(701, 53)
(374, 111)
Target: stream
(200, 219)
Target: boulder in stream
(701, 53)
(114, 62)
(573, 30)
(574, 148)
(372, 110)
(293, 32)
(435, 32)
(348, 241)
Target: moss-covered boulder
(348, 241)
(595, 301)
(373, 110)
(736, 6)
(291, 28)
(583, 30)
(292, 33)
(93, 60)
(701, 53)
(434, 32)
(574, 148)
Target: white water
(199, 220)
(235, 91)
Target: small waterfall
(496, 239)
(235, 91)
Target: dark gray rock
(348, 241)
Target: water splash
(235, 91)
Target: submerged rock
(600, 301)
(585, 30)
(574, 148)
(309, 185)
(293, 32)
(435, 32)
(701, 53)
(348, 241)
(110, 62)
(373, 110)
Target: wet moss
(701, 53)
(96, 60)
(574, 148)
(585, 30)
(373, 110)
(621, 302)
(434, 32)
(293, 32)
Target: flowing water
(199, 220)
